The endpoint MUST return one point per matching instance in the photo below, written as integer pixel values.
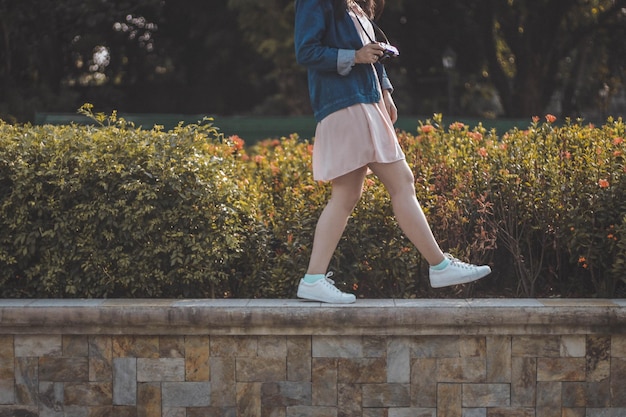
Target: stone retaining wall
(286, 358)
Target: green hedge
(117, 211)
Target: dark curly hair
(374, 8)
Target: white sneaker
(457, 272)
(324, 290)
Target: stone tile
(261, 369)
(386, 395)
(523, 381)
(324, 381)
(18, 410)
(486, 395)
(449, 400)
(299, 358)
(474, 412)
(349, 400)
(231, 346)
(375, 412)
(573, 302)
(186, 394)
(197, 358)
(149, 399)
(125, 381)
(472, 347)
(598, 394)
(110, 411)
(606, 412)
(561, 369)
(26, 381)
(156, 370)
(50, 398)
(536, 346)
(35, 345)
(249, 399)
(573, 346)
(574, 394)
(436, 347)
(511, 412)
(305, 411)
(573, 412)
(100, 358)
(412, 412)
(337, 347)
(286, 394)
(7, 391)
(548, 394)
(376, 346)
(618, 387)
(75, 345)
(223, 391)
(618, 345)
(174, 412)
(424, 383)
(7, 352)
(135, 346)
(63, 369)
(498, 358)
(598, 358)
(88, 393)
(398, 357)
(275, 411)
(171, 346)
(461, 369)
(212, 412)
(361, 370)
(272, 346)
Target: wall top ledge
(296, 317)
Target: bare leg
(346, 192)
(399, 182)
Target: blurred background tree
(480, 58)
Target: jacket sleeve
(311, 21)
(385, 83)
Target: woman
(351, 99)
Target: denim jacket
(326, 44)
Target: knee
(402, 184)
(347, 199)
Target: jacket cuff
(345, 61)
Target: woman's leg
(400, 183)
(346, 192)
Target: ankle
(312, 278)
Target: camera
(389, 51)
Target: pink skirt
(352, 138)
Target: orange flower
(535, 119)
(550, 118)
(237, 142)
(603, 183)
(567, 155)
(482, 152)
(477, 136)
(618, 141)
(427, 129)
(457, 126)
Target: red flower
(427, 129)
(550, 118)
(535, 119)
(603, 183)
(457, 126)
(618, 141)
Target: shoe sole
(306, 297)
(460, 282)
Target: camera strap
(376, 29)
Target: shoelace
(331, 282)
(459, 263)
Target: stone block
(337, 347)
(26, 381)
(618, 387)
(606, 412)
(18, 410)
(349, 400)
(376, 346)
(511, 412)
(536, 346)
(172, 346)
(273, 411)
(231, 346)
(125, 381)
(307, 411)
(299, 358)
(186, 394)
(223, 388)
(618, 345)
(471, 347)
(135, 346)
(272, 346)
(549, 394)
(561, 369)
(361, 370)
(486, 395)
(461, 369)
(173, 412)
(63, 369)
(75, 345)
(573, 346)
(449, 400)
(498, 358)
(398, 357)
(197, 358)
(36, 345)
(7, 351)
(598, 358)
(386, 395)
(286, 394)
(324, 381)
(149, 399)
(574, 394)
(474, 412)
(249, 399)
(7, 391)
(88, 393)
(598, 394)
(212, 412)
(436, 347)
(375, 412)
(100, 358)
(573, 412)
(50, 398)
(164, 369)
(424, 383)
(523, 381)
(261, 369)
(412, 412)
